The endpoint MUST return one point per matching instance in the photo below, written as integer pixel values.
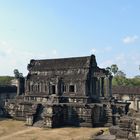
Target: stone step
(39, 123)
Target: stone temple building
(68, 91)
(6, 92)
(128, 94)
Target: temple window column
(102, 86)
(56, 87)
(45, 87)
(40, 86)
(44, 84)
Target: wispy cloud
(130, 39)
(126, 62)
(12, 57)
(99, 51)
(93, 51)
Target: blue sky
(38, 29)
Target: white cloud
(130, 39)
(93, 51)
(128, 63)
(101, 51)
(120, 60)
(106, 63)
(13, 57)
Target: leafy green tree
(120, 73)
(6, 80)
(114, 69)
(17, 73)
(109, 70)
(120, 79)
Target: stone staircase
(108, 117)
(38, 118)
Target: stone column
(110, 86)
(21, 86)
(18, 88)
(106, 87)
(99, 90)
(27, 86)
(56, 90)
(102, 87)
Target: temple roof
(62, 63)
(125, 90)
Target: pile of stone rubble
(128, 128)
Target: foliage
(123, 81)
(120, 73)
(120, 79)
(17, 74)
(114, 69)
(5, 80)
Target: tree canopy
(17, 73)
(120, 79)
(6, 80)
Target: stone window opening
(71, 88)
(53, 89)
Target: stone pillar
(40, 87)
(135, 103)
(106, 94)
(27, 86)
(102, 86)
(110, 86)
(21, 86)
(99, 90)
(56, 90)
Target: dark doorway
(53, 89)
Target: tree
(17, 74)
(114, 69)
(120, 73)
(109, 70)
(6, 80)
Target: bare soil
(16, 130)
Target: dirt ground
(16, 130)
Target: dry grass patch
(16, 130)
(9, 126)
